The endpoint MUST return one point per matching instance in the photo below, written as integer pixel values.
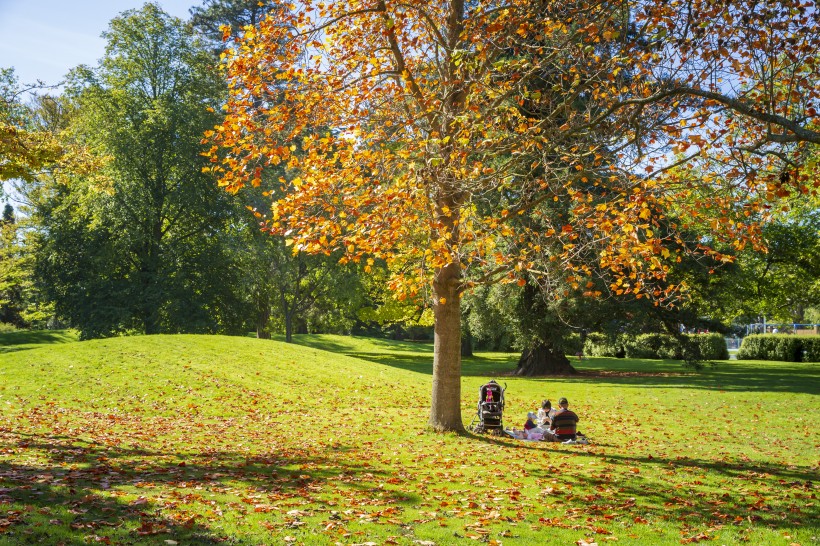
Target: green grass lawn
(228, 440)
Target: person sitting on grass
(530, 423)
(564, 422)
(545, 414)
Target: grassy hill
(224, 440)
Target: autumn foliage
(467, 143)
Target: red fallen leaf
(147, 528)
(639, 519)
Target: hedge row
(780, 347)
(603, 345)
(658, 346)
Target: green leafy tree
(214, 15)
(141, 246)
(12, 275)
(780, 283)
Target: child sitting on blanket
(545, 414)
(530, 423)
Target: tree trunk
(445, 408)
(288, 327)
(466, 343)
(544, 359)
(263, 319)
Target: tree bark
(544, 359)
(445, 408)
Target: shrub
(7, 327)
(770, 347)
(712, 346)
(660, 346)
(639, 347)
(571, 344)
(811, 348)
(603, 345)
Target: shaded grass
(206, 440)
(28, 339)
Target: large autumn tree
(424, 130)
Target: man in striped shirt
(564, 422)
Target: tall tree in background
(210, 19)
(140, 246)
(276, 282)
(431, 106)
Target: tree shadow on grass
(64, 490)
(350, 344)
(728, 378)
(475, 366)
(759, 494)
(31, 339)
(735, 376)
(748, 500)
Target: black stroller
(490, 409)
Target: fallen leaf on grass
(696, 538)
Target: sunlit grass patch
(200, 440)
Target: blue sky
(44, 39)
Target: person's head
(531, 416)
(546, 404)
(563, 402)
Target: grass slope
(218, 440)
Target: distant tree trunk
(544, 359)
(466, 343)
(263, 319)
(288, 327)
